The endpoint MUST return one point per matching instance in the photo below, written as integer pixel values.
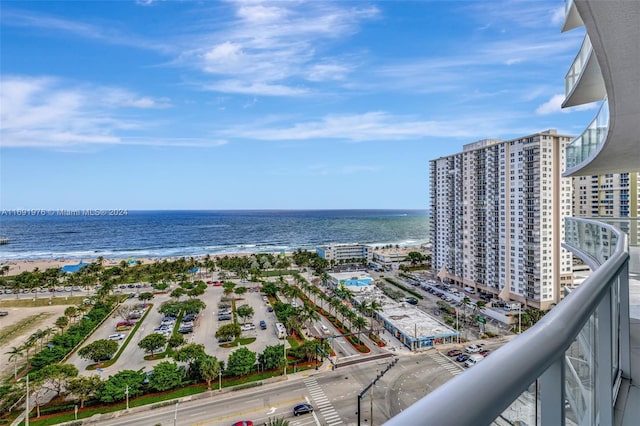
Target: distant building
(341, 253)
(609, 195)
(391, 258)
(497, 218)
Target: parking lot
(204, 329)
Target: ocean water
(52, 235)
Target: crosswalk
(322, 404)
(445, 363)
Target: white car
(118, 336)
(247, 327)
(324, 329)
(472, 349)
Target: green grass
(293, 342)
(246, 340)
(42, 301)
(400, 286)
(124, 345)
(11, 331)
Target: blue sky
(266, 105)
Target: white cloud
(554, 105)
(269, 45)
(557, 16)
(47, 112)
(370, 126)
(20, 18)
(255, 88)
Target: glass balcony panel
(580, 377)
(573, 75)
(524, 410)
(586, 145)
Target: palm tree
(465, 302)
(359, 323)
(28, 345)
(14, 354)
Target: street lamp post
(175, 415)
(284, 352)
(26, 419)
(457, 327)
(219, 380)
(126, 393)
(520, 320)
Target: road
(333, 394)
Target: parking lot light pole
(284, 352)
(126, 393)
(219, 380)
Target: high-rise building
(497, 218)
(608, 195)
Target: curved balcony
(572, 18)
(583, 82)
(557, 371)
(614, 33)
(587, 145)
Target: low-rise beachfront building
(341, 253)
(390, 258)
(354, 281)
(413, 327)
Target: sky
(166, 105)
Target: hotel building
(339, 253)
(497, 210)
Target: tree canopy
(153, 343)
(166, 375)
(100, 350)
(113, 388)
(241, 361)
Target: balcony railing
(564, 370)
(589, 142)
(573, 75)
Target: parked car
(302, 409)
(221, 340)
(269, 308)
(118, 336)
(247, 327)
(4, 313)
(473, 360)
(263, 324)
(189, 317)
(412, 301)
(462, 357)
(185, 330)
(224, 317)
(454, 352)
(472, 349)
(484, 352)
(243, 423)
